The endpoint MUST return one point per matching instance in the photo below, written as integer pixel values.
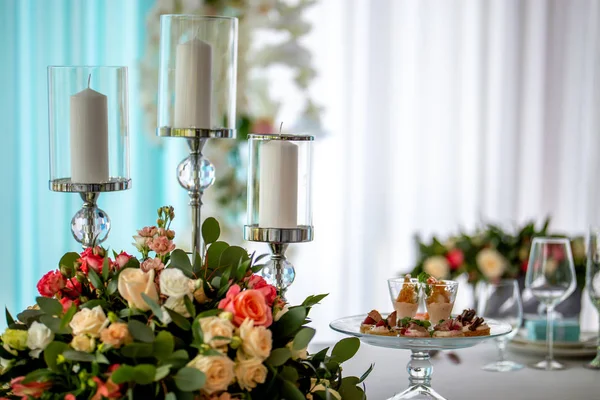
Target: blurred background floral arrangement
(491, 253)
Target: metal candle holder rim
(300, 234)
(198, 17)
(113, 185)
(276, 136)
(196, 133)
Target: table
(466, 381)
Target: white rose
(83, 343)
(257, 341)
(250, 372)
(89, 321)
(174, 283)
(437, 266)
(38, 338)
(133, 282)
(213, 327)
(218, 370)
(491, 263)
(177, 304)
(301, 354)
(322, 386)
(281, 313)
(165, 317)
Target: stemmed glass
(592, 282)
(551, 279)
(502, 301)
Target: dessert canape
(407, 301)
(385, 326)
(410, 327)
(448, 328)
(372, 319)
(473, 325)
(439, 298)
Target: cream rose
(218, 370)
(214, 326)
(491, 263)
(177, 304)
(257, 341)
(38, 338)
(250, 372)
(133, 282)
(437, 266)
(83, 343)
(174, 283)
(89, 321)
(116, 335)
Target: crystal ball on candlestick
(195, 170)
(280, 276)
(90, 226)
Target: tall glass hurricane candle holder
(279, 199)
(89, 141)
(197, 96)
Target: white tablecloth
(466, 381)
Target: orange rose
(249, 303)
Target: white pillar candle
(193, 85)
(89, 137)
(278, 179)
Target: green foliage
(210, 230)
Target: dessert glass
(405, 296)
(439, 299)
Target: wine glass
(502, 301)
(551, 279)
(592, 282)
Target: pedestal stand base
(419, 375)
(418, 392)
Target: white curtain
(440, 115)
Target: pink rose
(91, 258)
(70, 397)
(67, 303)
(257, 282)
(455, 258)
(28, 390)
(262, 125)
(249, 303)
(152, 263)
(72, 289)
(148, 231)
(161, 245)
(51, 283)
(122, 259)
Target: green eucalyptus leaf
(54, 324)
(51, 353)
(189, 306)
(279, 356)
(213, 254)
(66, 319)
(143, 374)
(179, 319)
(303, 338)
(290, 322)
(180, 260)
(123, 374)
(67, 263)
(345, 349)
(156, 310)
(233, 255)
(314, 300)
(130, 312)
(95, 279)
(349, 390)
(189, 379)
(94, 303)
(9, 318)
(163, 345)
(39, 375)
(319, 357)
(211, 230)
(290, 391)
(105, 269)
(289, 373)
(28, 316)
(178, 359)
(49, 306)
(112, 286)
(140, 331)
(137, 350)
(79, 356)
(162, 372)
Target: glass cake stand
(419, 366)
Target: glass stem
(550, 333)
(501, 350)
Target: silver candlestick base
(196, 173)
(278, 272)
(90, 225)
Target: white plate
(584, 348)
(351, 326)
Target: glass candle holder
(279, 181)
(89, 140)
(197, 76)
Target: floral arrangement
(283, 22)
(488, 254)
(165, 327)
